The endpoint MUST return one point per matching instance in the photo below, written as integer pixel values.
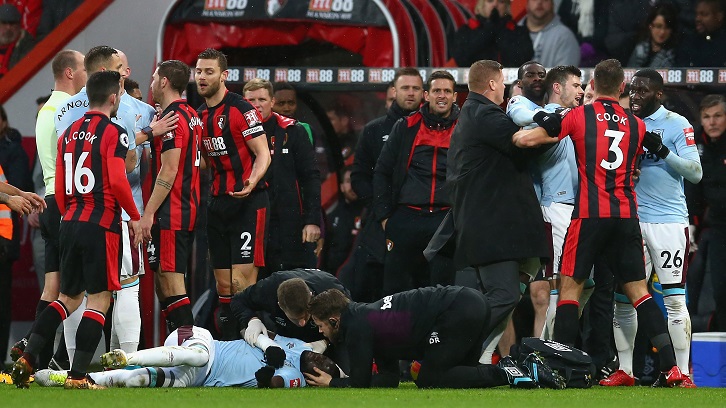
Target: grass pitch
(407, 395)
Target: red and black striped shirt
(227, 128)
(179, 209)
(607, 143)
(85, 168)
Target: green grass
(405, 396)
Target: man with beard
(663, 223)
(235, 146)
(408, 189)
(530, 79)
(363, 273)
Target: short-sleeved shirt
(46, 138)
(607, 141)
(227, 128)
(84, 150)
(179, 209)
(521, 110)
(661, 198)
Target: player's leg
(629, 269)
(539, 292)
(70, 328)
(151, 377)
(174, 250)
(126, 321)
(191, 346)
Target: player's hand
(692, 245)
(35, 200)
(145, 224)
(136, 234)
(636, 174)
(244, 192)
(264, 376)
(275, 356)
(33, 220)
(322, 379)
(310, 233)
(165, 124)
(255, 327)
(654, 143)
(550, 122)
(19, 204)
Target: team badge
(167, 136)
(295, 383)
(251, 118)
(222, 121)
(389, 245)
(690, 136)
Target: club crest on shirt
(222, 121)
(389, 245)
(251, 118)
(295, 383)
(690, 136)
(124, 140)
(167, 136)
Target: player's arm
(164, 183)
(361, 177)
(308, 175)
(258, 146)
(536, 137)
(157, 127)
(383, 204)
(519, 112)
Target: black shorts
(237, 229)
(49, 225)
(614, 242)
(169, 249)
(90, 258)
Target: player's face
(708, 18)
(532, 82)
(136, 93)
(327, 330)
(441, 97)
(285, 102)
(408, 90)
(644, 100)
(209, 77)
(572, 92)
(713, 120)
(346, 188)
(261, 100)
(589, 96)
(497, 91)
(116, 102)
(156, 92)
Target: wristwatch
(149, 132)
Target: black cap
(9, 14)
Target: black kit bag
(573, 364)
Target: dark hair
(708, 102)
(176, 72)
(100, 85)
(559, 75)
(656, 80)
(520, 71)
(42, 99)
(97, 57)
(283, 86)
(211, 53)
(294, 296)
(608, 77)
(323, 363)
(405, 71)
(328, 303)
(64, 59)
(130, 85)
(440, 74)
(481, 72)
(339, 110)
(718, 4)
(669, 12)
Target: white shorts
(666, 251)
(132, 263)
(557, 215)
(202, 338)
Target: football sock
(126, 318)
(44, 329)
(566, 322)
(89, 334)
(227, 321)
(625, 327)
(178, 312)
(70, 328)
(650, 318)
(550, 318)
(679, 325)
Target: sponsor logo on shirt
(295, 383)
(690, 138)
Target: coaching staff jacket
(420, 130)
(262, 297)
(707, 199)
(496, 213)
(294, 187)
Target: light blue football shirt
(659, 188)
(557, 170)
(521, 110)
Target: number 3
(615, 148)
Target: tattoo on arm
(163, 183)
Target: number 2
(615, 148)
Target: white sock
(625, 327)
(491, 342)
(126, 326)
(122, 378)
(679, 327)
(170, 356)
(70, 327)
(549, 327)
(585, 295)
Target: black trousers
(408, 232)
(6, 315)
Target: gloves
(275, 356)
(654, 143)
(255, 327)
(551, 122)
(264, 376)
